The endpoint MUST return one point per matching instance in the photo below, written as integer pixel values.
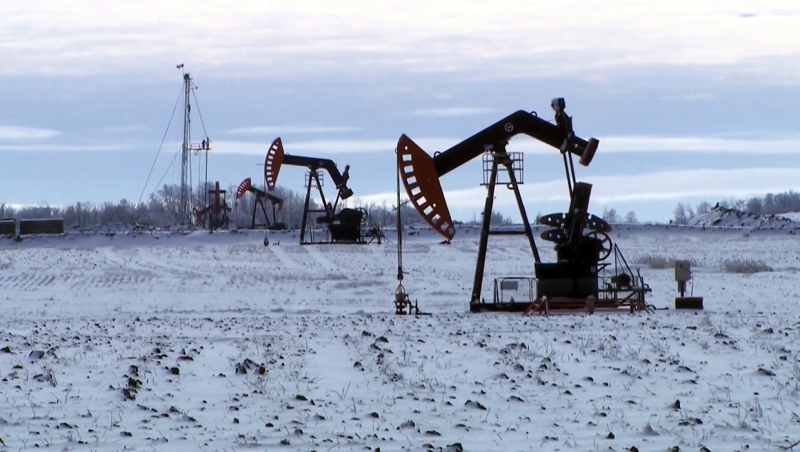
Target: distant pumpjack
(217, 212)
(345, 225)
(260, 201)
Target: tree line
(612, 217)
(769, 204)
(161, 210)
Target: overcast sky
(690, 99)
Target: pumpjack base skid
(334, 243)
(330, 242)
(548, 306)
(544, 306)
(479, 307)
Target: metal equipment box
(683, 271)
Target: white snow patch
(794, 216)
(141, 336)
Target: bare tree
(703, 207)
(768, 206)
(610, 215)
(754, 205)
(161, 210)
(680, 214)
(498, 218)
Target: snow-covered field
(216, 342)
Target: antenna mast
(185, 204)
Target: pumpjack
(344, 226)
(260, 199)
(574, 281)
(217, 212)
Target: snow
(794, 216)
(113, 315)
(722, 217)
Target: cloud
(699, 144)
(688, 97)
(127, 128)
(454, 111)
(664, 185)
(263, 130)
(26, 133)
(302, 38)
(324, 147)
(64, 147)
(646, 143)
(523, 143)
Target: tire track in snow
(323, 261)
(111, 256)
(27, 281)
(283, 257)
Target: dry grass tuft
(659, 261)
(746, 266)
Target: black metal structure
(344, 226)
(574, 279)
(421, 173)
(259, 201)
(608, 286)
